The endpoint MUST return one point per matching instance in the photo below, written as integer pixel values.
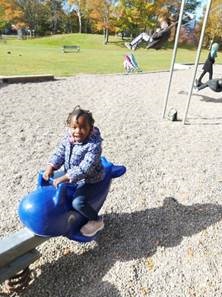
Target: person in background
(208, 65)
(160, 33)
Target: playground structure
(130, 64)
(47, 212)
(196, 61)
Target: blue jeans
(80, 202)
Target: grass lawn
(45, 56)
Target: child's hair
(163, 15)
(77, 112)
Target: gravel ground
(163, 218)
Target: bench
(71, 48)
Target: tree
(70, 20)
(134, 14)
(34, 14)
(2, 21)
(80, 7)
(101, 13)
(214, 26)
(55, 12)
(173, 6)
(10, 12)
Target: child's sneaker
(196, 85)
(128, 45)
(92, 227)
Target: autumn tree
(11, 13)
(102, 15)
(173, 6)
(34, 14)
(214, 26)
(2, 21)
(134, 14)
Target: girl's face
(79, 128)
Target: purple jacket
(81, 160)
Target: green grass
(44, 55)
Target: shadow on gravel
(209, 99)
(3, 85)
(127, 236)
(203, 98)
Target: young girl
(80, 151)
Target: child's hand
(48, 173)
(56, 182)
(46, 176)
(60, 180)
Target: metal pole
(174, 56)
(197, 58)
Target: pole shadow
(127, 236)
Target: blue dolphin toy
(48, 211)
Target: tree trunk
(80, 20)
(106, 36)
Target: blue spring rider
(48, 211)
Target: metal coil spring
(19, 281)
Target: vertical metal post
(197, 58)
(174, 56)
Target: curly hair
(77, 112)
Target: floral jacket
(81, 160)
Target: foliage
(214, 26)
(128, 17)
(2, 21)
(11, 12)
(81, 9)
(132, 15)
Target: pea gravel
(163, 218)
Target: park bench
(71, 48)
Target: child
(79, 151)
(208, 65)
(160, 33)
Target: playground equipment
(130, 64)
(47, 212)
(196, 61)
